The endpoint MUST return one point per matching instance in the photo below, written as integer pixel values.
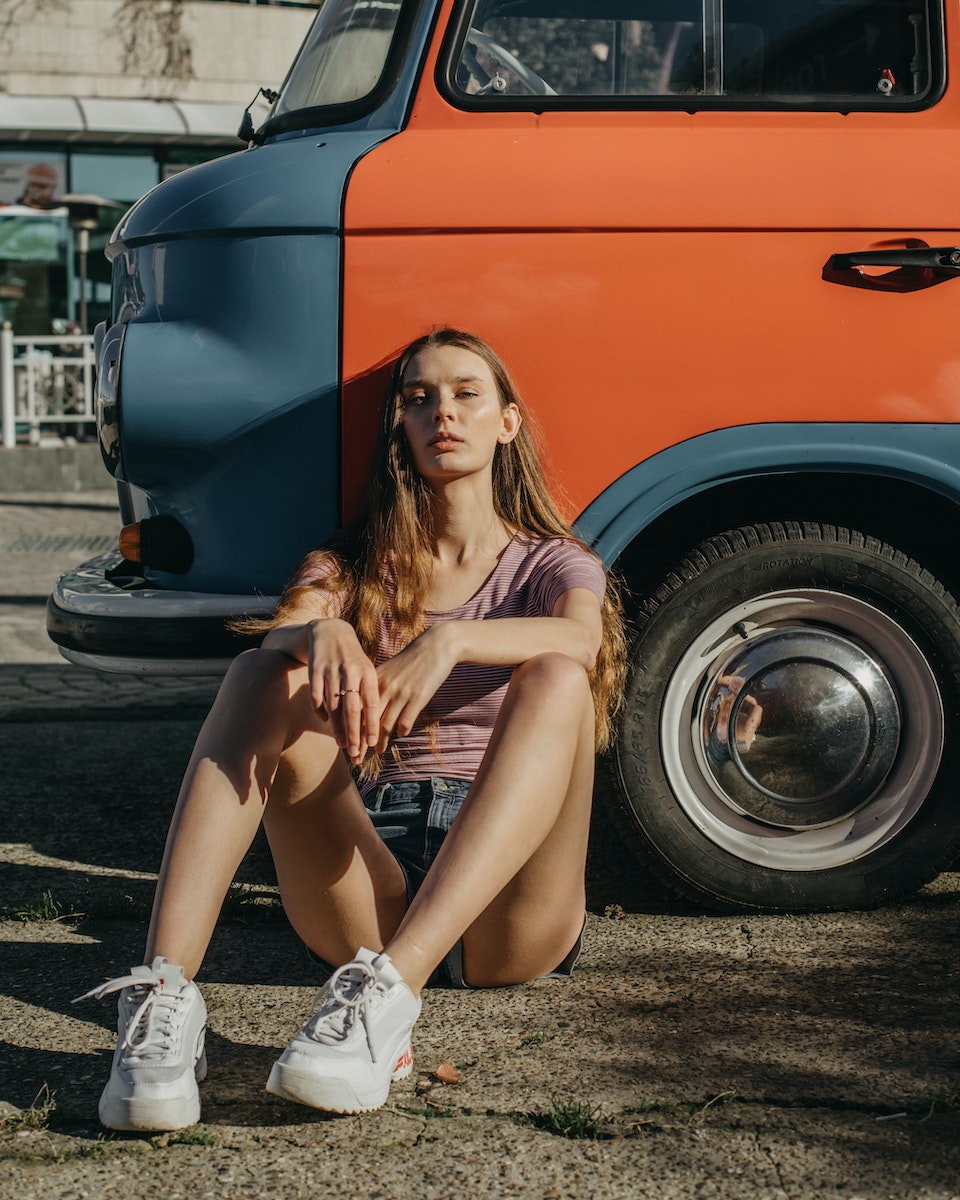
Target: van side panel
(627, 343)
(652, 276)
(624, 171)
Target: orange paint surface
(652, 276)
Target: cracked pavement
(773, 1057)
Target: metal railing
(46, 387)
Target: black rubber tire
(736, 567)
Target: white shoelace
(347, 994)
(152, 1028)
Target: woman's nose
(444, 409)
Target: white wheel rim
(863, 821)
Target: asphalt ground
(695, 1055)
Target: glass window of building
(33, 240)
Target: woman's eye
(413, 401)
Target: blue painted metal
(229, 276)
(928, 455)
(229, 401)
(228, 379)
(285, 186)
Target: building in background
(109, 97)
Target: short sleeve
(313, 573)
(563, 566)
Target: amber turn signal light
(130, 542)
(159, 542)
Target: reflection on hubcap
(799, 728)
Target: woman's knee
(260, 668)
(262, 680)
(554, 674)
(265, 690)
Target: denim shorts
(412, 819)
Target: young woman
(417, 734)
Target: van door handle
(942, 258)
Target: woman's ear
(511, 422)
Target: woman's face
(452, 413)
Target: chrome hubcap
(801, 730)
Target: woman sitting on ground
(417, 733)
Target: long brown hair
(400, 514)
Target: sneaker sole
(330, 1093)
(150, 1114)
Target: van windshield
(343, 57)
(698, 53)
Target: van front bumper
(145, 630)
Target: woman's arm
(343, 681)
(575, 629)
(409, 680)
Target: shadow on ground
(736, 1056)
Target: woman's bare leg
(264, 754)
(511, 870)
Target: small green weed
(570, 1119)
(197, 1137)
(40, 1114)
(536, 1039)
(44, 909)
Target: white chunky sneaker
(161, 1022)
(355, 1043)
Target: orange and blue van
(718, 242)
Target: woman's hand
(409, 680)
(343, 681)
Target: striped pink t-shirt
(531, 576)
